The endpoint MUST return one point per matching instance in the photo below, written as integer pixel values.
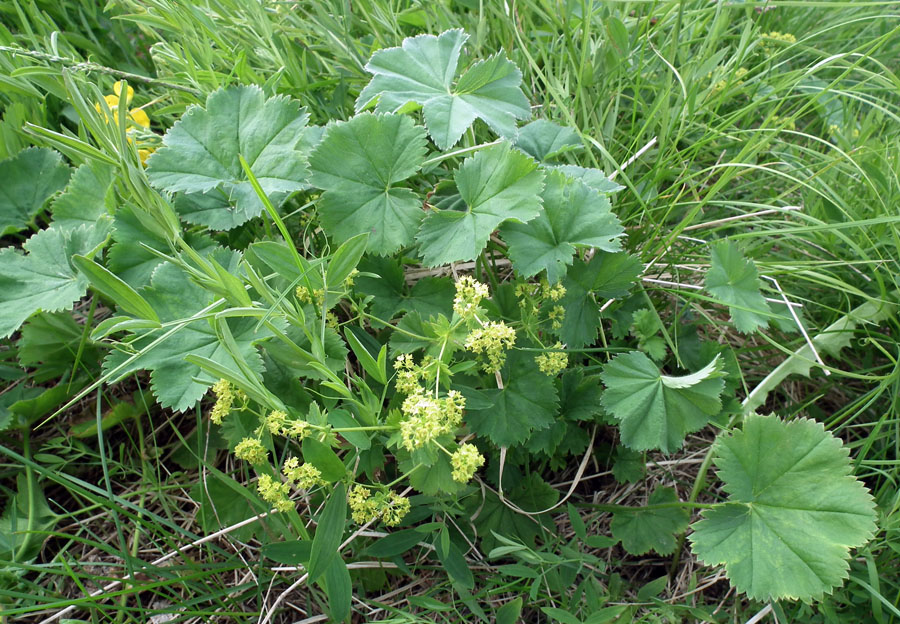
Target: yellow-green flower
(553, 363)
(469, 294)
(251, 450)
(492, 341)
(275, 493)
(224, 400)
(304, 476)
(465, 461)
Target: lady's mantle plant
(342, 374)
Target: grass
(788, 144)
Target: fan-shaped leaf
(733, 280)
(358, 163)
(656, 411)
(422, 69)
(497, 184)
(29, 178)
(201, 155)
(794, 510)
(573, 214)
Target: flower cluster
(772, 40)
(305, 295)
(469, 293)
(225, 396)
(491, 341)
(411, 376)
(465, 461)
(428, 417)
(251, 450)
(138, 120)
(277, 423)
(304, 476)
(553, 363)
(556, 316)
(364, 507)
(553, 293)
(275, 492)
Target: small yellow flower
(363, 507)
(394, 509)
(304, 476)
(137, 115)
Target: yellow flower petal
(139, 117)
(117, 89)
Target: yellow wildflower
(492, 340)
(251, 450)
(553, 363)
(466, 460)
(275, 493)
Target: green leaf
(528, 402)
(510, 612)
(560, 615)
(422, 71)
(794, 510)
(30, 178)
(87, 199)
(43, 278)
(643, 530)
(544, 140)
(733, 280)
(108, 284)
(656, 411)
(339, 589)
(497, 184)
(594, 178)
(358, 164)
(129, 258)
(608, 276)
(25, 522)
(329, 530)
(429, 296)
(200, 154)
(394, 544)
(344, 260)
(177, 383)
(456, 566)
(326, 460)
(573, 215)
(628, 466)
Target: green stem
(611, 508)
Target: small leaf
(201, 154)
(455, 565)
(656, 411)
(544, 140)
(497, 184)
(30, 178)
(394, 544)
(573, 215)
(794, 510)
(510, 612)
(733, 280)
(560, 615)
(643, 530)
(329, 530)
(292, 552)
(359, 164)
(594, 178)
(87, 199)
(422, 71)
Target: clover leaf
(30, 178)
(573, 214)
(497, 184)
(422, 69)
(357, 164)
(794, 510)
(733, 280)
(201, 154)
(656, 411)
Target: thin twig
(799, 325)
